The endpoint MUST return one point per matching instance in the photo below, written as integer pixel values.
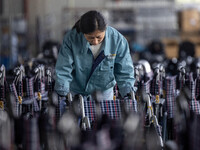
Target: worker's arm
(124, 70)
(64, 67)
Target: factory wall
(140, 21)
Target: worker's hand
(130, 95)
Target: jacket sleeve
(64, 67)
(124, 70)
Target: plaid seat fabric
(170, 89)
(28, 87)
(2, 96)
(2, 92)
(139, 84)
(147, 86)
(42, 87)
(155, 87)
(193, 103)
(28, 102)
(31, 102)
(42, 90)
(142, 86)
(90, 110)
(49, 85)
(180, 82)
(19, 88)
(131, 105)
(194, 106)
(29, 99)
(170, 96)
(108, 107)
(111, 108)
(16, 103)
(58, 111)
(197, 93)
(190, 83)
(39, 86)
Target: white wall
(48, 15)
(89, 3)
(12, 8)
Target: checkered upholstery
(143, 86)
(170, 89)
(197, 92)
(193, 103)
(109, 107)
(194, 106)
(16, 103)
(147, 86)
(2, 92)
(155, 87)
(28, 87)
(190, 83)
(180, 83)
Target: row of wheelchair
(163, 113)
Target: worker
(94, 57)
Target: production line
(163, 112)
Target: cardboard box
(195, 38)
(171, 48)
(189, 20)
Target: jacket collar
(105, 43)
(85, 44)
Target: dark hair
(89, 22)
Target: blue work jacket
(77, 70)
